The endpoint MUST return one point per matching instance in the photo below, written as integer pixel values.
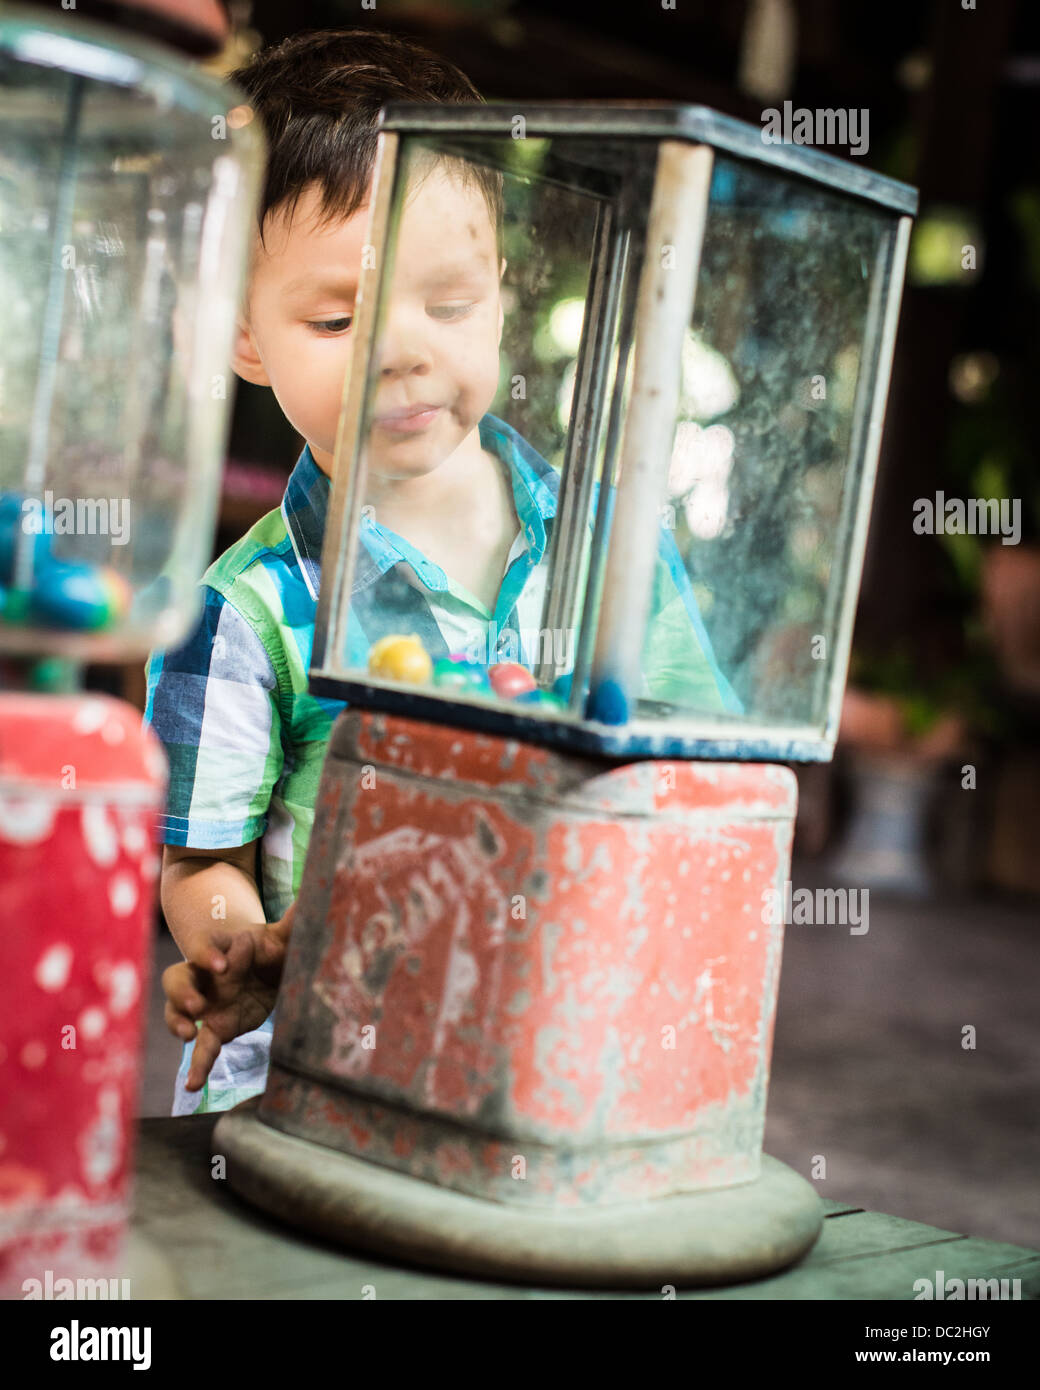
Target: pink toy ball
(509, 679)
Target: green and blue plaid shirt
(245, 738)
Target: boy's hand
(230, 982)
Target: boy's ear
(245, 359)
(501, 311)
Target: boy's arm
(196, 881)
(228, 980)
(679, 663)
(214, 704)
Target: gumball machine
(126, 204)
(527, 1014)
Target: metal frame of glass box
(670, 126)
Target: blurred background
(933, 800)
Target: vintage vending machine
(126, 205)
(527, 1012)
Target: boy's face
(438, 351)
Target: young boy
(244, 739)
(458, 525)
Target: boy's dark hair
(318, 94)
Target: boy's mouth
(408, 418)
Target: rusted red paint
(522, 934)
(81, 786)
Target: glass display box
(669, 343)
(127, 196)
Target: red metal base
(540, 980)
(81, 786)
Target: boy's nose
(404, 346)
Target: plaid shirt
(245, 738)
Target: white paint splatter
(52, 969)
(26, 822)
(122, 894)
(101, 1145)
(123, 987)
(90, 715)
(99, 835)
(92, 1022)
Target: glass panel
(494, 420)
(760, 489)
(468, 424)
(123, 238)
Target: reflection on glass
(762, 445)
(480, 325)
(498, 390)
(123, 228)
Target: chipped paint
(616, 1033)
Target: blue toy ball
(11, 518)
(546, 699)
(72, 596)
(608, 703)
(562, 685)
(461, 674)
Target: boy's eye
(448, 312)
(334, 326)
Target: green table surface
(215, 1245)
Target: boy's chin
(400, 471)
(415, 459)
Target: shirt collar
(535, 488)
(305, 508)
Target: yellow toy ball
(400, 658)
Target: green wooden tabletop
(217, 1246)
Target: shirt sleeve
(213, 703)
(678, 661)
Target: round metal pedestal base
(722, 1236)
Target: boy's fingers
(280, 931)
(210, 954)
(270, 949)
(205, 1053)
(240, 953)
(220, 943)
(178, 1024)
(180, 987)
